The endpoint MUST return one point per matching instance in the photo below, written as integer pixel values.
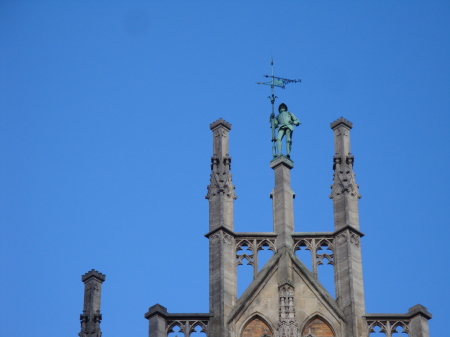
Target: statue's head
(282, 107)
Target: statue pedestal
(282, 195)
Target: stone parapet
(418, 309)
(414, 322)
(312, 234)
(243, 235)
(160, 310)
(161, 323)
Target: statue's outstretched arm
(294, 119)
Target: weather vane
(283, 122)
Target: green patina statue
(283, 125)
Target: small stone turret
(91, 316)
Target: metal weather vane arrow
(279, 82)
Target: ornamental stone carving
(221, 182)
(344, 180)
(227, 239)
(287, 323)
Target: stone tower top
(93, 273)
(91, 316)
(219, 122)
(343, 121)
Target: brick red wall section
(318, 328)
(255, 328)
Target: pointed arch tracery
(178, 324)
(266, 243)
(321, 248)
(245, 245)
(247, 248)
(257, 326)
(187, 327)
(317, 326)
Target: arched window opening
(325, 262)
(244, 267)
(318, 328)
(303, 252)
(256, 328)
(265, 252)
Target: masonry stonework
(285, 298)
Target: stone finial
(219, 122)
(343, 121)
(93, 273)
(419, 309)
(156, 309)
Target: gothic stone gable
(295, 309)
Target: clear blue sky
(105, 146)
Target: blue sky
(105, 146)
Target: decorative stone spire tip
(93, 273)
(219, 122)
(340, 121)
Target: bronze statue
(284, 123)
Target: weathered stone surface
(256, 328)
(285, 298)
(347, 250)
(414, 322)
(282, 202)
(221, 196)
(91, 316)
(221, 189)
